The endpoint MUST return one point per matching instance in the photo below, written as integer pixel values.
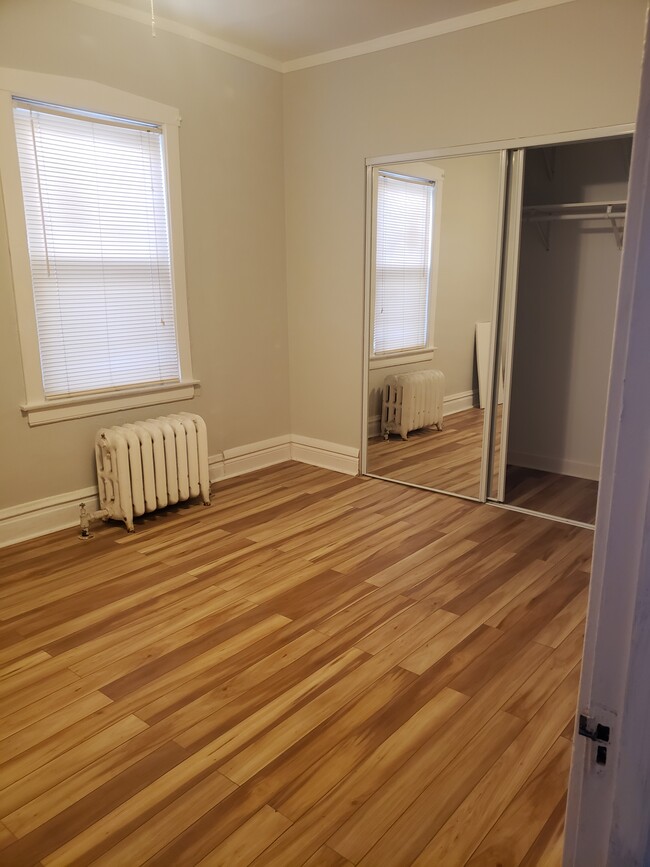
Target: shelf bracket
(618, 230)
(627, 155)
(544, 230)
(549, 162)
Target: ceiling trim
(179, 29)
(428, 31)
(392, 40)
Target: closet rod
(546, 218)
(561, 206)
(576, 211)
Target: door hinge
(597, 732)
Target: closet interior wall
(566, 301)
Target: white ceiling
(285, 30)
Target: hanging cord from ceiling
(153, 20)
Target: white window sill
(393, 359)
(49, 411)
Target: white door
(608, 814)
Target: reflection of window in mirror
(407, 214)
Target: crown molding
(178, 29)
(428, 31)
(392, 40)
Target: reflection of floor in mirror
(449, 460)
(553, 494)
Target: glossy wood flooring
(314, 670)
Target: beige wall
(564, 68)
(233, 214)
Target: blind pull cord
(153, 20)
(40, 195)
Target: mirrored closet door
(434, 264)
(492, 280)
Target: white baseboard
(330, 456)
(550, 464)
(458, 402)
(29, 520)
(246, 459)
(256, 456)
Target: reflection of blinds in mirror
(404, 225)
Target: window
(405, 217)
(99, 248)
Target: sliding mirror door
(505, 342)
(435, 240)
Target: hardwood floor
(314, 670)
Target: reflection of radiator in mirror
(412, 401)
(483, 339)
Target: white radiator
(151, 464)
(412, 401)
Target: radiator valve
(85, 517)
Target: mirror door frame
(371, 170)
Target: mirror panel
(428, 388)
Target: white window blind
(96, 210)
(404, 226)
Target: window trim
(95, 97)
(423, 353)
(401, 356)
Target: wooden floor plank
(512, 836)
(249, 840)
(546, 851)
(326, 857)
(6, 837)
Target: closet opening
(560, 329)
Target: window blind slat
(404, 224)
(97, 229)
